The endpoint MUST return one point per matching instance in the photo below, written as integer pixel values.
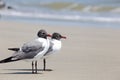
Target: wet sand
(88, 53)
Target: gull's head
(57, 36)
(43, 34)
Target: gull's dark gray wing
(29, 50)
(32, 46)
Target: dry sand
(88, 53)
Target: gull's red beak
(63, 37)
(49, 35)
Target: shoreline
(67, 25)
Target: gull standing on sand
(32, 51)
(55, 45)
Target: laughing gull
(55, 45)
(32, 51)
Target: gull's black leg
(44, 64)
(36, 67)
(32, 67)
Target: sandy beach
(88, 53)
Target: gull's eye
(43, 33)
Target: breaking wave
(56, 16)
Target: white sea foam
(75, 17)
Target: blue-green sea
(97, 13)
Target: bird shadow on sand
(20, 73)
(28, 70)
(24, 71)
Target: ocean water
(98, 13)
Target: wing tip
(14, 49)
(9, 59)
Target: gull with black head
(31, 51)
(55, 46)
